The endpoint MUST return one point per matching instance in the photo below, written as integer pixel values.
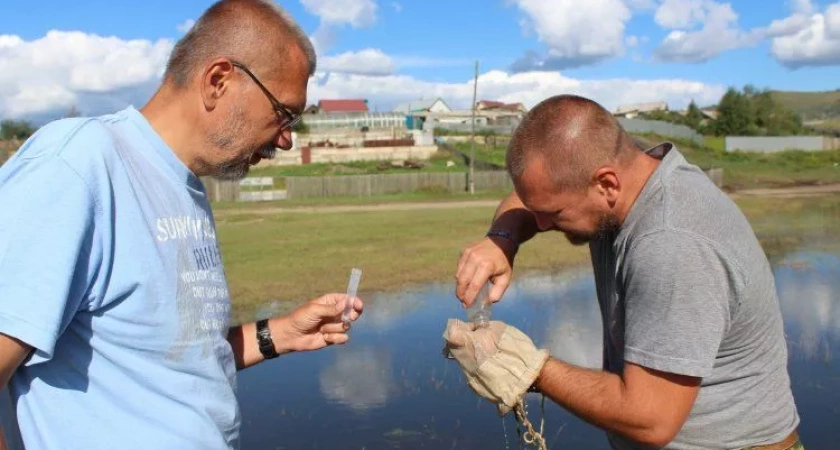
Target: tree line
(746, 112)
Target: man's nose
(284, 139)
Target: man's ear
(215, 81)
(607, 184)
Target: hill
(811, 106)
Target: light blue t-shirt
(110, 269)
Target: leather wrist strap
(264, 340)
(505, 235)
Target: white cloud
(365, 62)
(576, 33)
(528, 87)
(801, 6)
(357, 13)
(718, 30)
(811, 41)
(184, 27)
(788, 26)
(675, 14)
(337, 13)
(43, 78)
(64, 69)
(631, 41)
(641, 4)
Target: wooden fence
(373, 185)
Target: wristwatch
(264, 340)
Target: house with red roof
(492, 105)
(343, 106)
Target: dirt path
(789, 192)
(796, 191)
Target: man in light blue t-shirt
(114, 307)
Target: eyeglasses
(287, 118)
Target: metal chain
(531, 436)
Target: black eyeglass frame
(287, 118)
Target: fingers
(332, 306)
(336, 338)
(500, 285)
(479, 263)
(335, 327)
(463, 280)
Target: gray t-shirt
(685, 287)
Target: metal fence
(772, 144)
(355, 121)
(661, 128)
(373, 185)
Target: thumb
(500, 284)
(327, 307)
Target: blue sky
(103, 55)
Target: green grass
(293, 256)
(811, 105)
(428, 196)
(437, 163)
(491, 154)
(744, 170)
(716, 143)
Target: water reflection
(360, 378)
(390, 387)
(809, 288)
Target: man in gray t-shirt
(694, 355)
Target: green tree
(16, 129)
(693, 117)
(301, 128)
(735, 115)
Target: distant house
(631, 111)
(311, 109)
(435, 105)
(492, 105)
(349, 106)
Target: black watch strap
(264, 340)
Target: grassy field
(293, 256)
(744, 170)
(811, 105)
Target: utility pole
(472, 134)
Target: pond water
(390, 387)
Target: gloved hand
(499, 361)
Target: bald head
(571, 137)
(256, 32)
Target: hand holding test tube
(352, 287)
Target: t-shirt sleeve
(48, 250)
(678, 292)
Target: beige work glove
(499, 361)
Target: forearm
(243, 340)
(512, 216)
(602, 399)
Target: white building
(435, 105)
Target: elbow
(656, 436)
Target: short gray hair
(227, 29)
